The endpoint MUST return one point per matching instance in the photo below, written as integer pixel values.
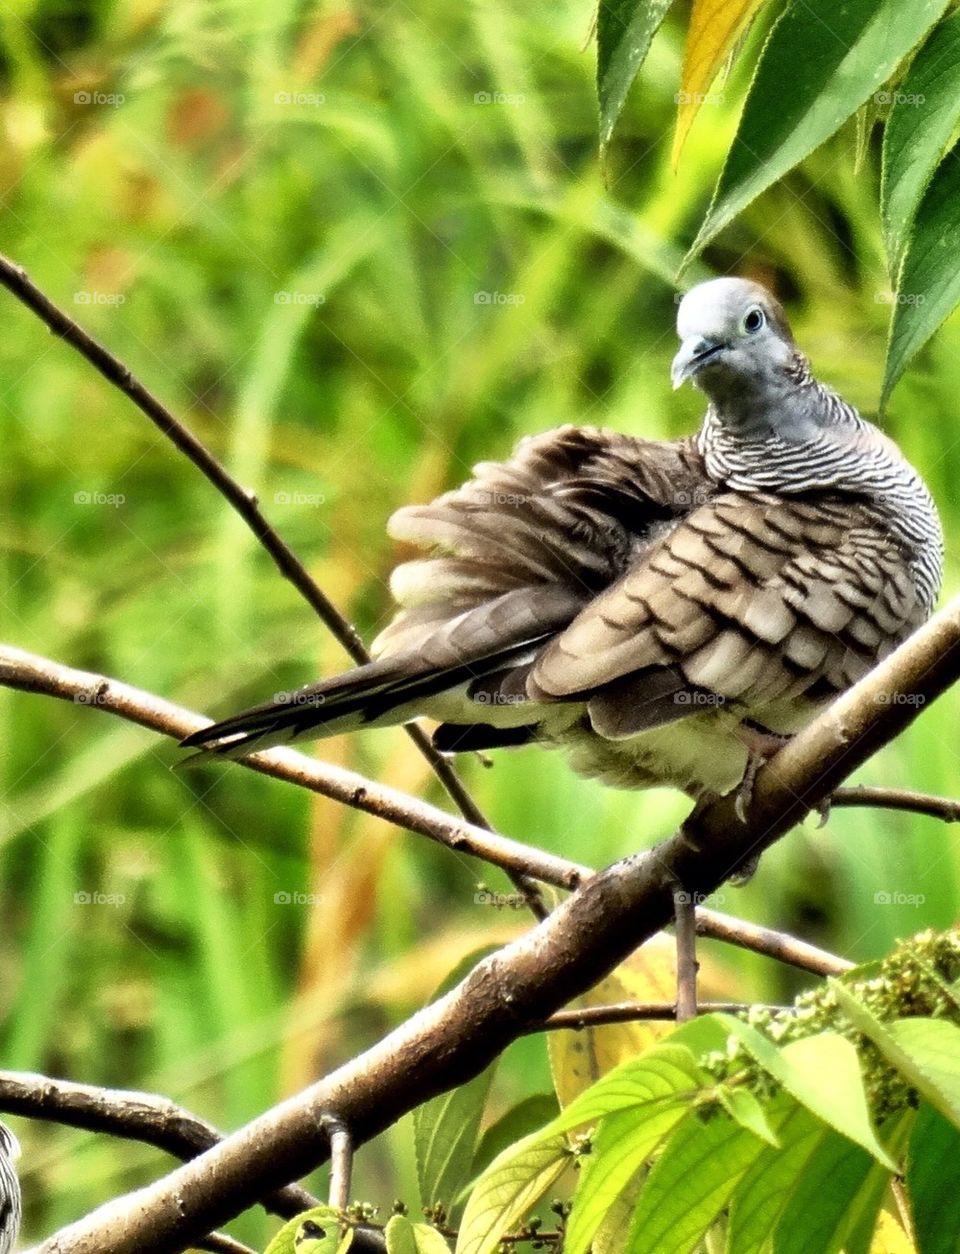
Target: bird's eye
(753, 320)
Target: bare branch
(944, 808)
(16, 280)
(135, 1116)
(528, 980)
(685, 927)
(220, 1243)
(30, 673)
(764, 940)
(634, 1012)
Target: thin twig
(341, 1161)
(685, 928)
(635, 1012)
(30, 673)
(765, 940)
(134, 1116)
(220, 1243)
(16, 280)
(945, 808)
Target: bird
(668, 613)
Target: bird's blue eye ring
(753, 320)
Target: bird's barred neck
(844, 454)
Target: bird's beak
(693, 353)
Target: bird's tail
(379, 693)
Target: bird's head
(735, 340)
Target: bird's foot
(761, 745)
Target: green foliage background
(357, 249)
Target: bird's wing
(516, 554)
(755, 598)
(568, 512)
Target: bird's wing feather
(756, 598)
(569, 510)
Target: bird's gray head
(737, 348)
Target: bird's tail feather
(366, 695)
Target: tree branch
(944, 808)
(528, 980)
(30, 673)
(135, 1116)
(16, 280)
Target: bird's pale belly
(698, 754)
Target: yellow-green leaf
(513, 1183)
(317, 1231)
(715, 26)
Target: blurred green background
(356, 248)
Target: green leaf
(933, 1181)
(764, 1191)
(926, 107)
(445, 1136)
(741, 1105)
(823, 1073)
(926, 1052)
(621, 1146)
(822, 1208)
(446, 1128)
(690, 1183)
(823, 59)
(513, 1183)
(399, 1237)
(928, 285)
(658, 1078)
(518, 1122)
(625, 30)
(316, 1231)
(404, 1237)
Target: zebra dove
(658, 609)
